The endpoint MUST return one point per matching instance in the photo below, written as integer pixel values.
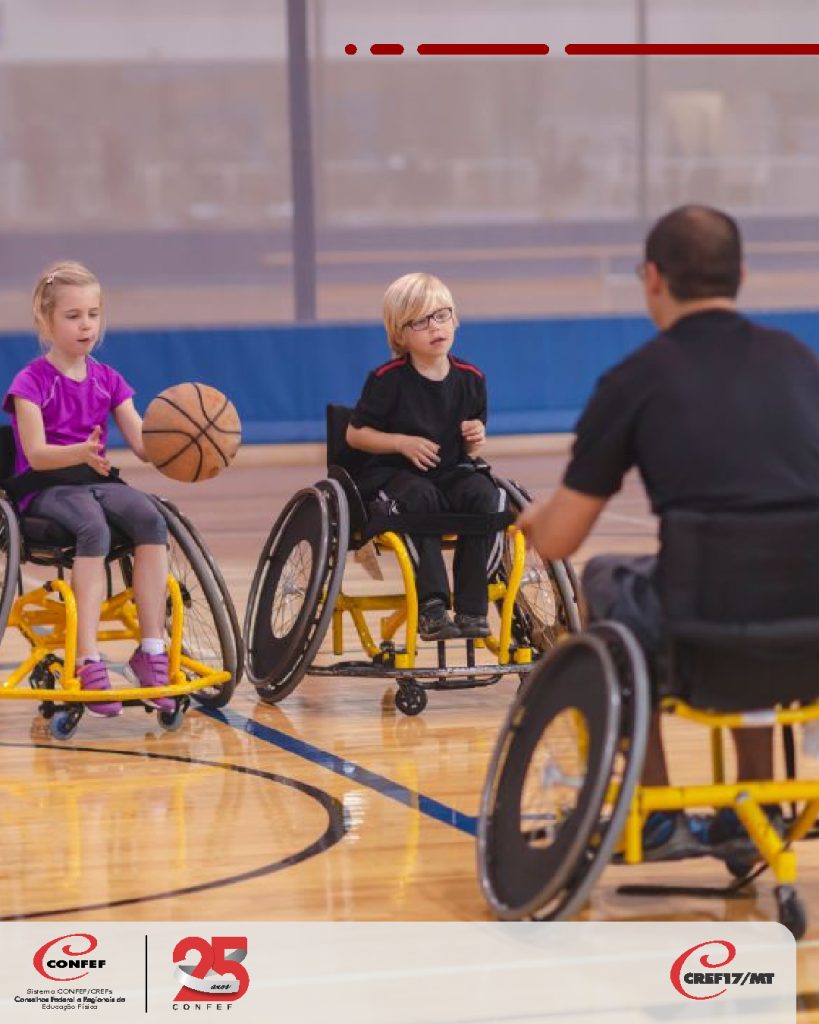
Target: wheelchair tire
(221, 586)
(304, 556)
(208, 635)
(547, 605)
(9, 560)
(635, 713)
(551, 766)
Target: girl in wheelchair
(59, 406)
(421, 418)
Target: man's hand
(420, 451)
(90, 452)
(474, 435)
(555, 527)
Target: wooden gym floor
(329, 806)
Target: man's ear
(653, 279)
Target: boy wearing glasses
(421, 418)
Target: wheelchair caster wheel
(43, 675)
(411, 699)
(172, 720)
(739, 867)
(63, 724)
(791, 910)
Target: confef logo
(683, 978)
(72, 956)
(216, 973)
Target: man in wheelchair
(720, 416)
(421, 418)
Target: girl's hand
(474, 434)
(90, 450)
(420, 451)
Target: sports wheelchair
(205, 644)
(297, 591)
(740, 599)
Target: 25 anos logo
(217, 974)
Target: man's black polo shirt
(717, 413)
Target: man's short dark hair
(698, 250)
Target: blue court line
(348, 770)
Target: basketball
(191, 432)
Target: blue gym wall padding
(539, 372)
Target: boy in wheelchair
(721, 418)
(421, 418)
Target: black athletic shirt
(397, 399)
(717, 413)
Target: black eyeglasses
(440, 316)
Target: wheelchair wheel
(635, 712)
(9, 560)
(221, 586)
(208, 635)
(295, 587)
(547, 605)
(548, 779)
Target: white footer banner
(398, 973)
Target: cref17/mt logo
(217, 975)
(684, 978)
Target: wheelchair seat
(740, 598)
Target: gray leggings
(87, 509)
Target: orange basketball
(191, 432)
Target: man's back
(716, 412)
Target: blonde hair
(44, 299)
(407, 298)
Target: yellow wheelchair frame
(47, 618)
(297, 595)
(745, 797)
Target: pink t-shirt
(71, 408)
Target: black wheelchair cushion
(46, 533)
(740, 596)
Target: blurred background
(158, 143)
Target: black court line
(335, 831)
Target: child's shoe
(434, 622)
(93, 675)
(472, 625)
(672, 835)
(152, 670)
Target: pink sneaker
(152, 670)
(93, 675)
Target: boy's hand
(474, 434)
(90, 449)
(420, 451)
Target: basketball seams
(194, 432)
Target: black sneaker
(472, 625)
(434, 622)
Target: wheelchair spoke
(288, 600)
(555, 776)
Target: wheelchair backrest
(740, 597)
(8, 452)
(339, 453)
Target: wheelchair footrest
(726, 892)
